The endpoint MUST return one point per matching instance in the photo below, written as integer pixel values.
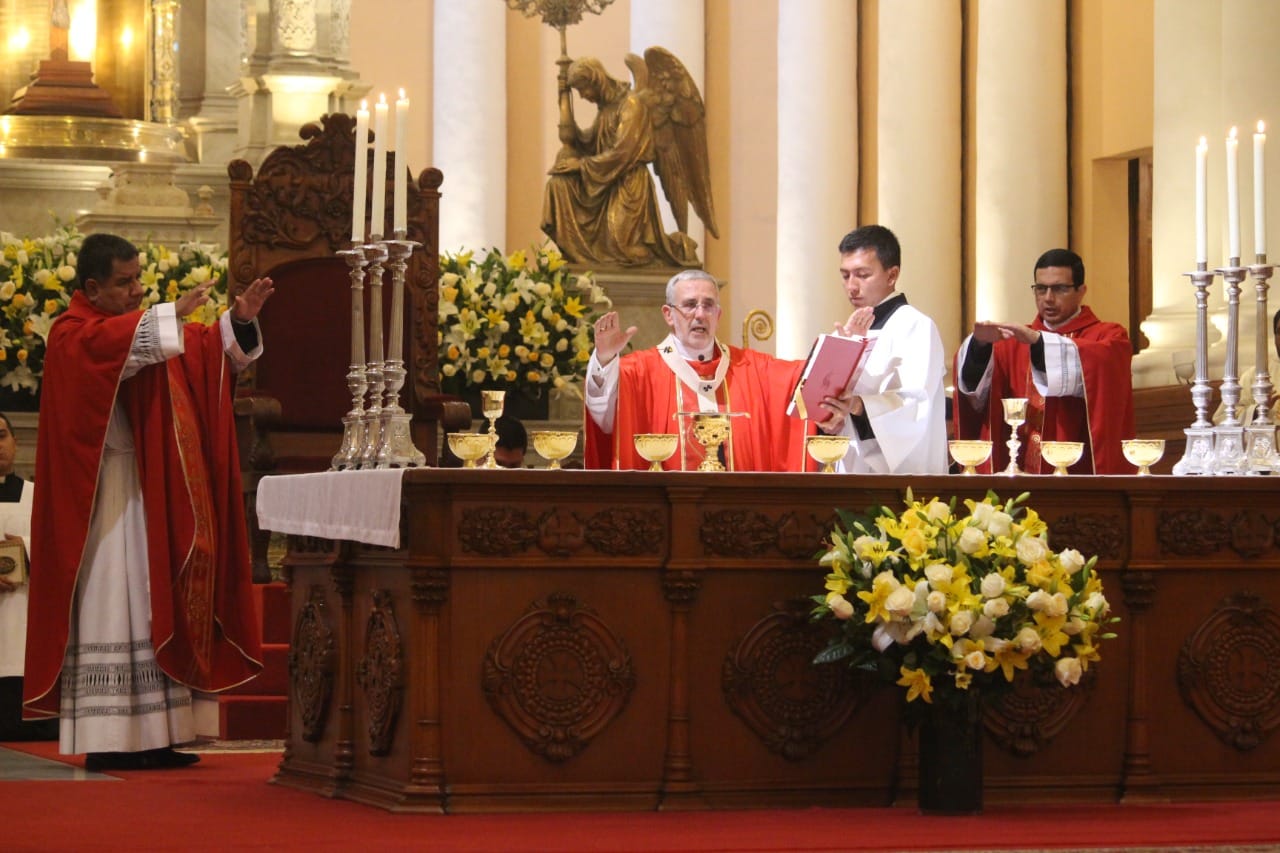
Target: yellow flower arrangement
(942, 602)
(37, 272)
(522, 321)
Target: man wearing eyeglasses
(1073, 369)
(689, 371)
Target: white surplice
(15, 518)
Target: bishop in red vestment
(137, 461)
(690, 371)
(1073, 369)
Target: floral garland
(942, 602)
(36, 272)
(521, 321)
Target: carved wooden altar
(627, 640)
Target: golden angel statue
(600, 206)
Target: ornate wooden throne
(288, 222)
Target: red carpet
(226, 803)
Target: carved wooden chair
(288, 222)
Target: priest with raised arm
(690, 371)
(140, 596)
(1073, 369)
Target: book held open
(832, 368)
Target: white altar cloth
(361, 506)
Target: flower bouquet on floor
(953, 605)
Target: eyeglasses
(690, 307)
(1055, 289)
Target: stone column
(469, 118)
(817, 164)
(210, 66)
(680, 27)
(1019, 154)
(918, 152)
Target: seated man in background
(512, 444)
(1073, 369)
(15, 526)
(690, 371)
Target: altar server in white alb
(896, 416)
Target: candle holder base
(1228, 450)
(1198, 457)
(398, 450)
(1260, 449)
(348, 456)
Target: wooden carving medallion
(1229, 671)
(1026, 718)
(558, 676)
(380, 672)
(312, 659)
(770, 681)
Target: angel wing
(679, 132)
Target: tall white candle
(361, 173)
(400, 201)
(1259, 192)
(1233, 198)
(1202, 218)
(379, 166)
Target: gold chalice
(554, 444)
(1061, 455)
(469, 446)
(656, 447)
(711, 430)
(827, 449)
(491, 404)
(970, 453)
(1015, 415)
(1143, 452)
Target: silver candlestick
(376, 255)
(396, 449)
(1228, 449)
(1197, 458)
(349, 454)
(1260, 433)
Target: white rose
(448, 369)
(937, 601)
(1068, 671)
(961, 622)
(1096, 602)
(542, 289)
(937, 510)
(1074, 626)
(976, 660)
(163, 266)
(1031, 550)
(939, 573)
(477, 376)
(1057, 606)
(972, 540)
(982, 514)
(1072, 560)
(1001, 523)
(1028, 640)
(1038, 600)
(995, 608)
(840, 606)
(900, 602)
(992, 586)
(6, 290)
(66, 272)
(22, 257)
(42, 276)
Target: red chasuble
(1101, 419)
(649, 394)
(203, 622)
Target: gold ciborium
(1143, 452)
(970, 453)
(827, 450)
(491, 404)
(656, 447)
(553, 444)
(1015, 415)
(712, 430)
(470, 446)
(1061, 455)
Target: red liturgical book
(831, 369)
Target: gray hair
(688, 275)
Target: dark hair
(511, 433)
(877, 237)
(1062, 258)
(98, 254)
(1275, 320)
(8, 424)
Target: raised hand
(193, 298)
(611, 339)
(251, 299)
(859, 323)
